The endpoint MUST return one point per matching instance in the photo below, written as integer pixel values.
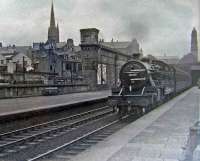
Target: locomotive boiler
(145, 83)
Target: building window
(51, 68)
(79, 67)
(7, 61)
(73, 57)
(74, 67)
(66, 57)
(2, 62)
(68, 66)
(25, 63)
(35, 66)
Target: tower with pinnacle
(53, 31)
(194, 45)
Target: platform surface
(9, 106)
(158, 136)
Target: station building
(101, 60)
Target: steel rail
(53, 130)
(41, 156)
(50, 123)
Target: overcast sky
(161, 26)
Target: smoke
(134, 29)
(129, 19)
(160, 26)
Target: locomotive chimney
(137, 56)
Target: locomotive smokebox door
(134, 75)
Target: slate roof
(61, 45)
(22, 49)
(126, 47)
(169, 59)
(117, 45)
(6, 51)
(18, 49)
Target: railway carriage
(146, 83)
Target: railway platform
(161, 135)
(24, 105)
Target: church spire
(57, 26)
(52, 20)
(53, 31)
(194, 44)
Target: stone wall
(95, 54)
(14, 91)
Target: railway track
(14, 141)
(76, 146)
(30, 144)
(72, 148)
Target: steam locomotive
(145, 84)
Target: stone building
(101, 63)
(14, 64)
(20, 63)
(13, 59)
(192, 57)
(190, 62)
(49, 62)
(3, 65)
(61, 60)
(96, 62)
(71, 55)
